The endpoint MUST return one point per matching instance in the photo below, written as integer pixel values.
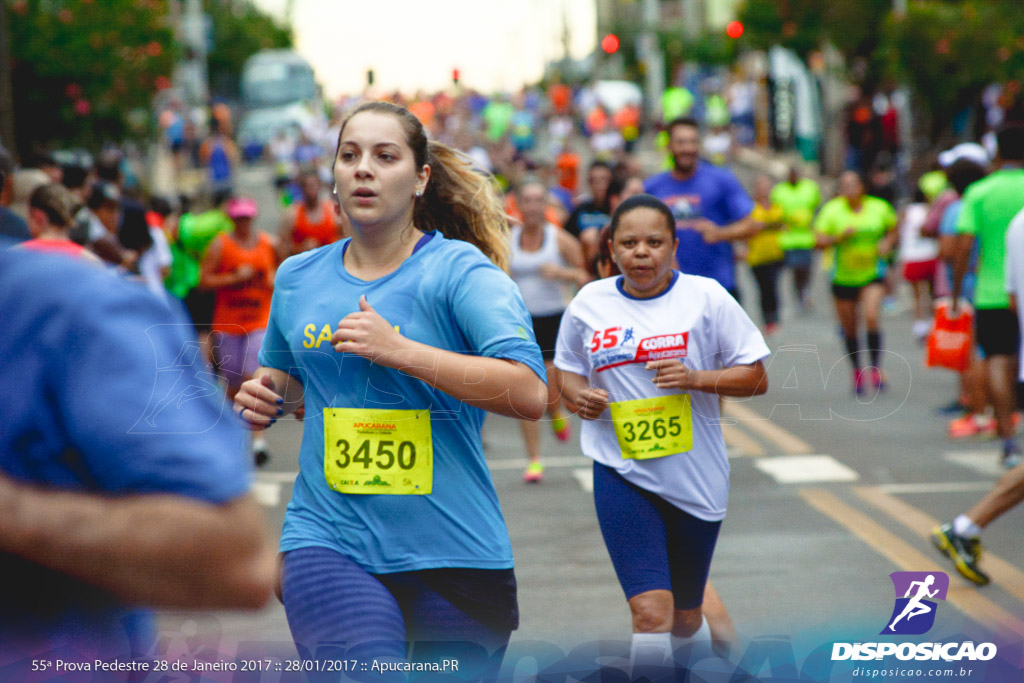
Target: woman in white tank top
(544, 259)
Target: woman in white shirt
(645, 358)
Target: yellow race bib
(378, 451)
(653, 427)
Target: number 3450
(384, 458)
(658, 428)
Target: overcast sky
(413, 44)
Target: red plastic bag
(951, 338)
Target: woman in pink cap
(240, 268)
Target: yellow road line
(1008, 577)
(906, 557)
(789, 443)
(747, 446)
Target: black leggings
(767, 276)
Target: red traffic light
(610, 43)
(455, 76)
(734, 29)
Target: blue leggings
(337, 610)
(653, 544)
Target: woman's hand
(672, 374)
(590, 403)
(258, 403)
(368, 335)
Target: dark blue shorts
(653, 544)
(799, 258)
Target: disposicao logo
(916, 593)
(913, 614)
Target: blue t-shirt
(446, 295)
(109, 393)
(713, 193)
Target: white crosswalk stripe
(805, 469)
(982, 462)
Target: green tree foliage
(81, 65)
(946, 51)
(86, 71)
(239, 31)
(949, 51)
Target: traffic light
(369, 77)
(455, 76)
(734, 29)
(610, 43)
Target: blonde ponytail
(463, 204)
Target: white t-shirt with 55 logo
(656, 439)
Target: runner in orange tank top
(240, 268)
(311, 223)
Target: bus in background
(279, 93)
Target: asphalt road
(830, 494)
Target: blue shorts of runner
(799, 258)
(653, 544)
(852, 292)
(337, 610)
(997, 331)
(545, 329)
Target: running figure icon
(915, 606)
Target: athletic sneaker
(921, 328)
(957, 406)
(1012, 455)
(563, 430)
(973, 424)
(878, 379)
(965, 552)
(534, 473)
(260, 452)
(260, 457)
(859, 380)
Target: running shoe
(920, 329)
(964, 552)
(260, 457)
(563, 430)
(879, 379)
(1012, 455)
(858, 382)
(957, 406)
(534, 473)
(974, 424)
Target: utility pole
(651, 55)
(6, 91)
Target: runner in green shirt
(799, 199)
(860, 228)
(986, 210)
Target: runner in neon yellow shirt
(799, 199)
(764, 252)
(861, 230)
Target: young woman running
(861, 229)
(543, 258)
(394, 534)
(645, 357)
